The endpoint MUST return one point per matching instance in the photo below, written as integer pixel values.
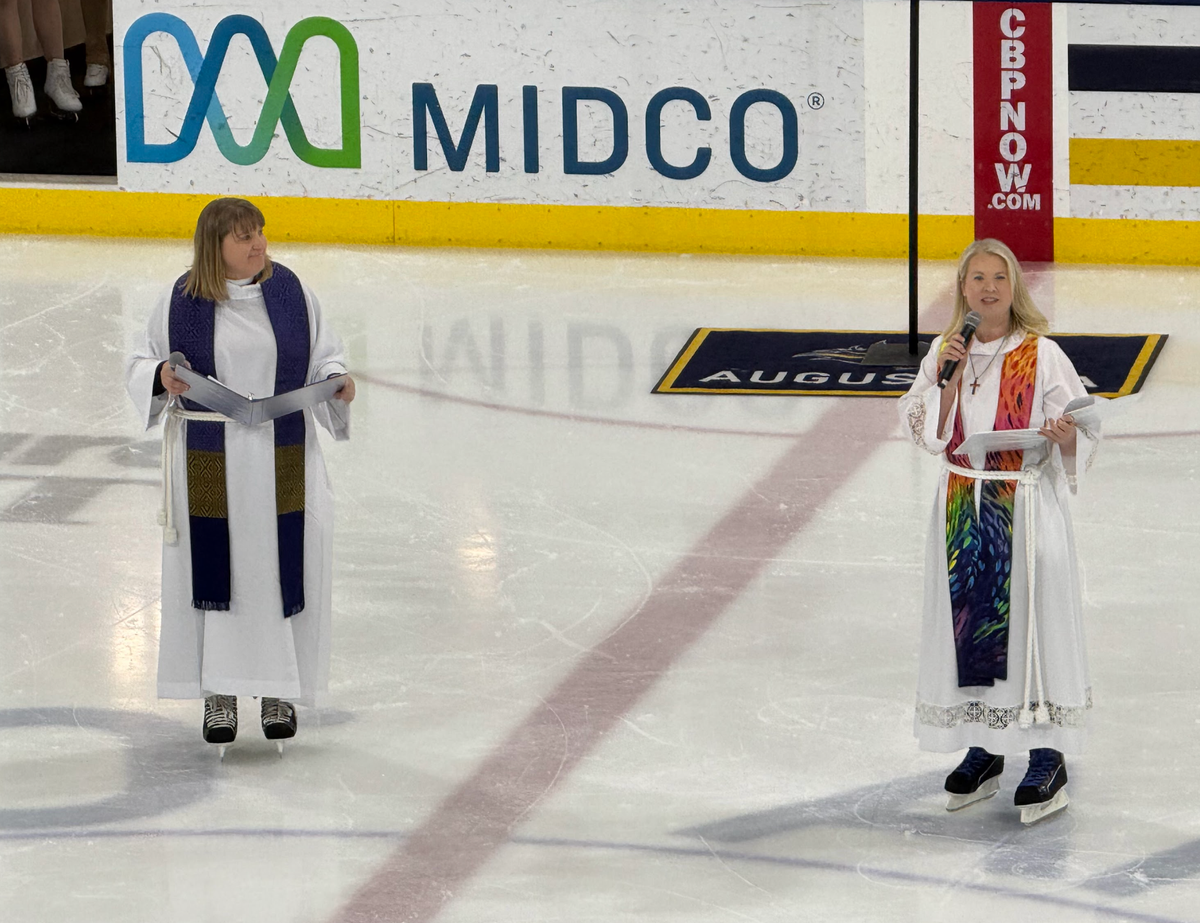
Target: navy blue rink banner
(830, 362)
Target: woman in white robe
(1038, 701)
(250, 648)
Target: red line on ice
(480, 815)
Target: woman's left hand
(347, 391)
(1061, 431)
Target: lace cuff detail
(916, 425)
(1093, 448)
(999, 717)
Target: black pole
(914, 71)
(897, 354)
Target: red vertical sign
(1014, 125)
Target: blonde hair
(1024, 315)
(206, 277)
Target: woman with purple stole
(1003, 667)
(247, 511)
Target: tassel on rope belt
(176, 414)
(1028, 479)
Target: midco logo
(485, 106)
(277, 107)
(427, 112)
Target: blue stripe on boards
(1134, 68)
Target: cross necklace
(971, 360)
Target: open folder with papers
(213, 395)
(1086, 411)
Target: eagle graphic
(851, 355)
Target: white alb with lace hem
(1047, 667)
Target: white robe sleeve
(919, 408)
(141, 369)
(1060, 385)
(326, 357)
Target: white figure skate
(58, 88)
(96, 76)
(20, 88)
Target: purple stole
(191, 328)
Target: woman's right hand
(954, 350)
(172, 382)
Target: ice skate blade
(221, 748)
(986, 790)
(1032, 813)
(279, 745)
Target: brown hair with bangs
(206, 278)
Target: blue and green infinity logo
(277, 107)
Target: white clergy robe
(251, 649)
(948, 717)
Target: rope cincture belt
(1028, 479)
(176, 414)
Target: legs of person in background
(97, 15)
(10, 35)
(47, 24)
(20, 87)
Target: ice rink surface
(599, 655)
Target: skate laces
(220, 711)
(1042, 765)
(276, 711)
(975, 761)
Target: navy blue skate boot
(1042, 792)
(976, 778)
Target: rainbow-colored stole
(190, 329)
(979, 545)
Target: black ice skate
(976, 778)
(220, 720)
(1042, 793)
(278, 720)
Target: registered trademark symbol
(815, 100)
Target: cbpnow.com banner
(1014, 109)
(729, 105)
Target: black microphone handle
(949, 366)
